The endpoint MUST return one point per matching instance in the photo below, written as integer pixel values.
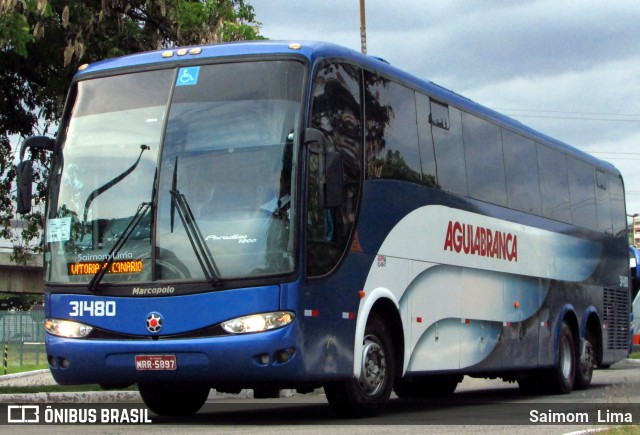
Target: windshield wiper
(179, 202)
(100, 190)
(104, 267)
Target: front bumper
(238, 359)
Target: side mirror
(24, 173)
(37, 142)
(24, 180)
(330, 172)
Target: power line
(572, 118)
(581, 116)
(614, 153)
(569, 113)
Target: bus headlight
(258, 322)
(67, 328)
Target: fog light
(283, 356)
(64, 363)
(264, 359)
(52, 361)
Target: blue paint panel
(180, 313)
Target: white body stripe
(443, 286)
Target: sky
(569, 69)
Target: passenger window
(618, 211)
(521, 171)
(449, 151)
(392, 132)
(582, 192)
(427, 153)
(485, 162)
(336, 111)
(554, 184)
(603, 203)
(439, 115)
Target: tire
(561, 378)
(173, 400)
(367, 395)
(584, 369)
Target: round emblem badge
(154, 322)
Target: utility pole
(363, 29)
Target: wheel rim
(565, 358)
(374, 366)
(586, 362)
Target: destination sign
(118, 266)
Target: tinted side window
(618, 211)
(603, 203)
(485, 162)
(521, 170)
(336, 111)
(582, 192)
(449, 150)
(392, 133)
(554, 184)
(427, 153)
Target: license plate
(156, 362)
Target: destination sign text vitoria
(118, 266)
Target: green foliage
(43, 41)
(20, 301)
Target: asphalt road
(478, 406)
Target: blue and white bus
(270, 215)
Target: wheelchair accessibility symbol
(188, 76)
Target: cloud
(509, 39)
(585, 107)
(570, 69)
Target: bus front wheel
(173, 400)
(367, 395)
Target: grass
(19, 357)
(25, 368)
(635, 355)
(621, 430)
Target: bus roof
(315, 51)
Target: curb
(23, 374)
(81, 397)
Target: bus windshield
(177, 174)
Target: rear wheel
(174, 400)
(584, 369)
(561, 378)
(367, 395)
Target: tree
(43, 41)
(20, 302)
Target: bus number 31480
(92, 308)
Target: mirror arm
(314, 135)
